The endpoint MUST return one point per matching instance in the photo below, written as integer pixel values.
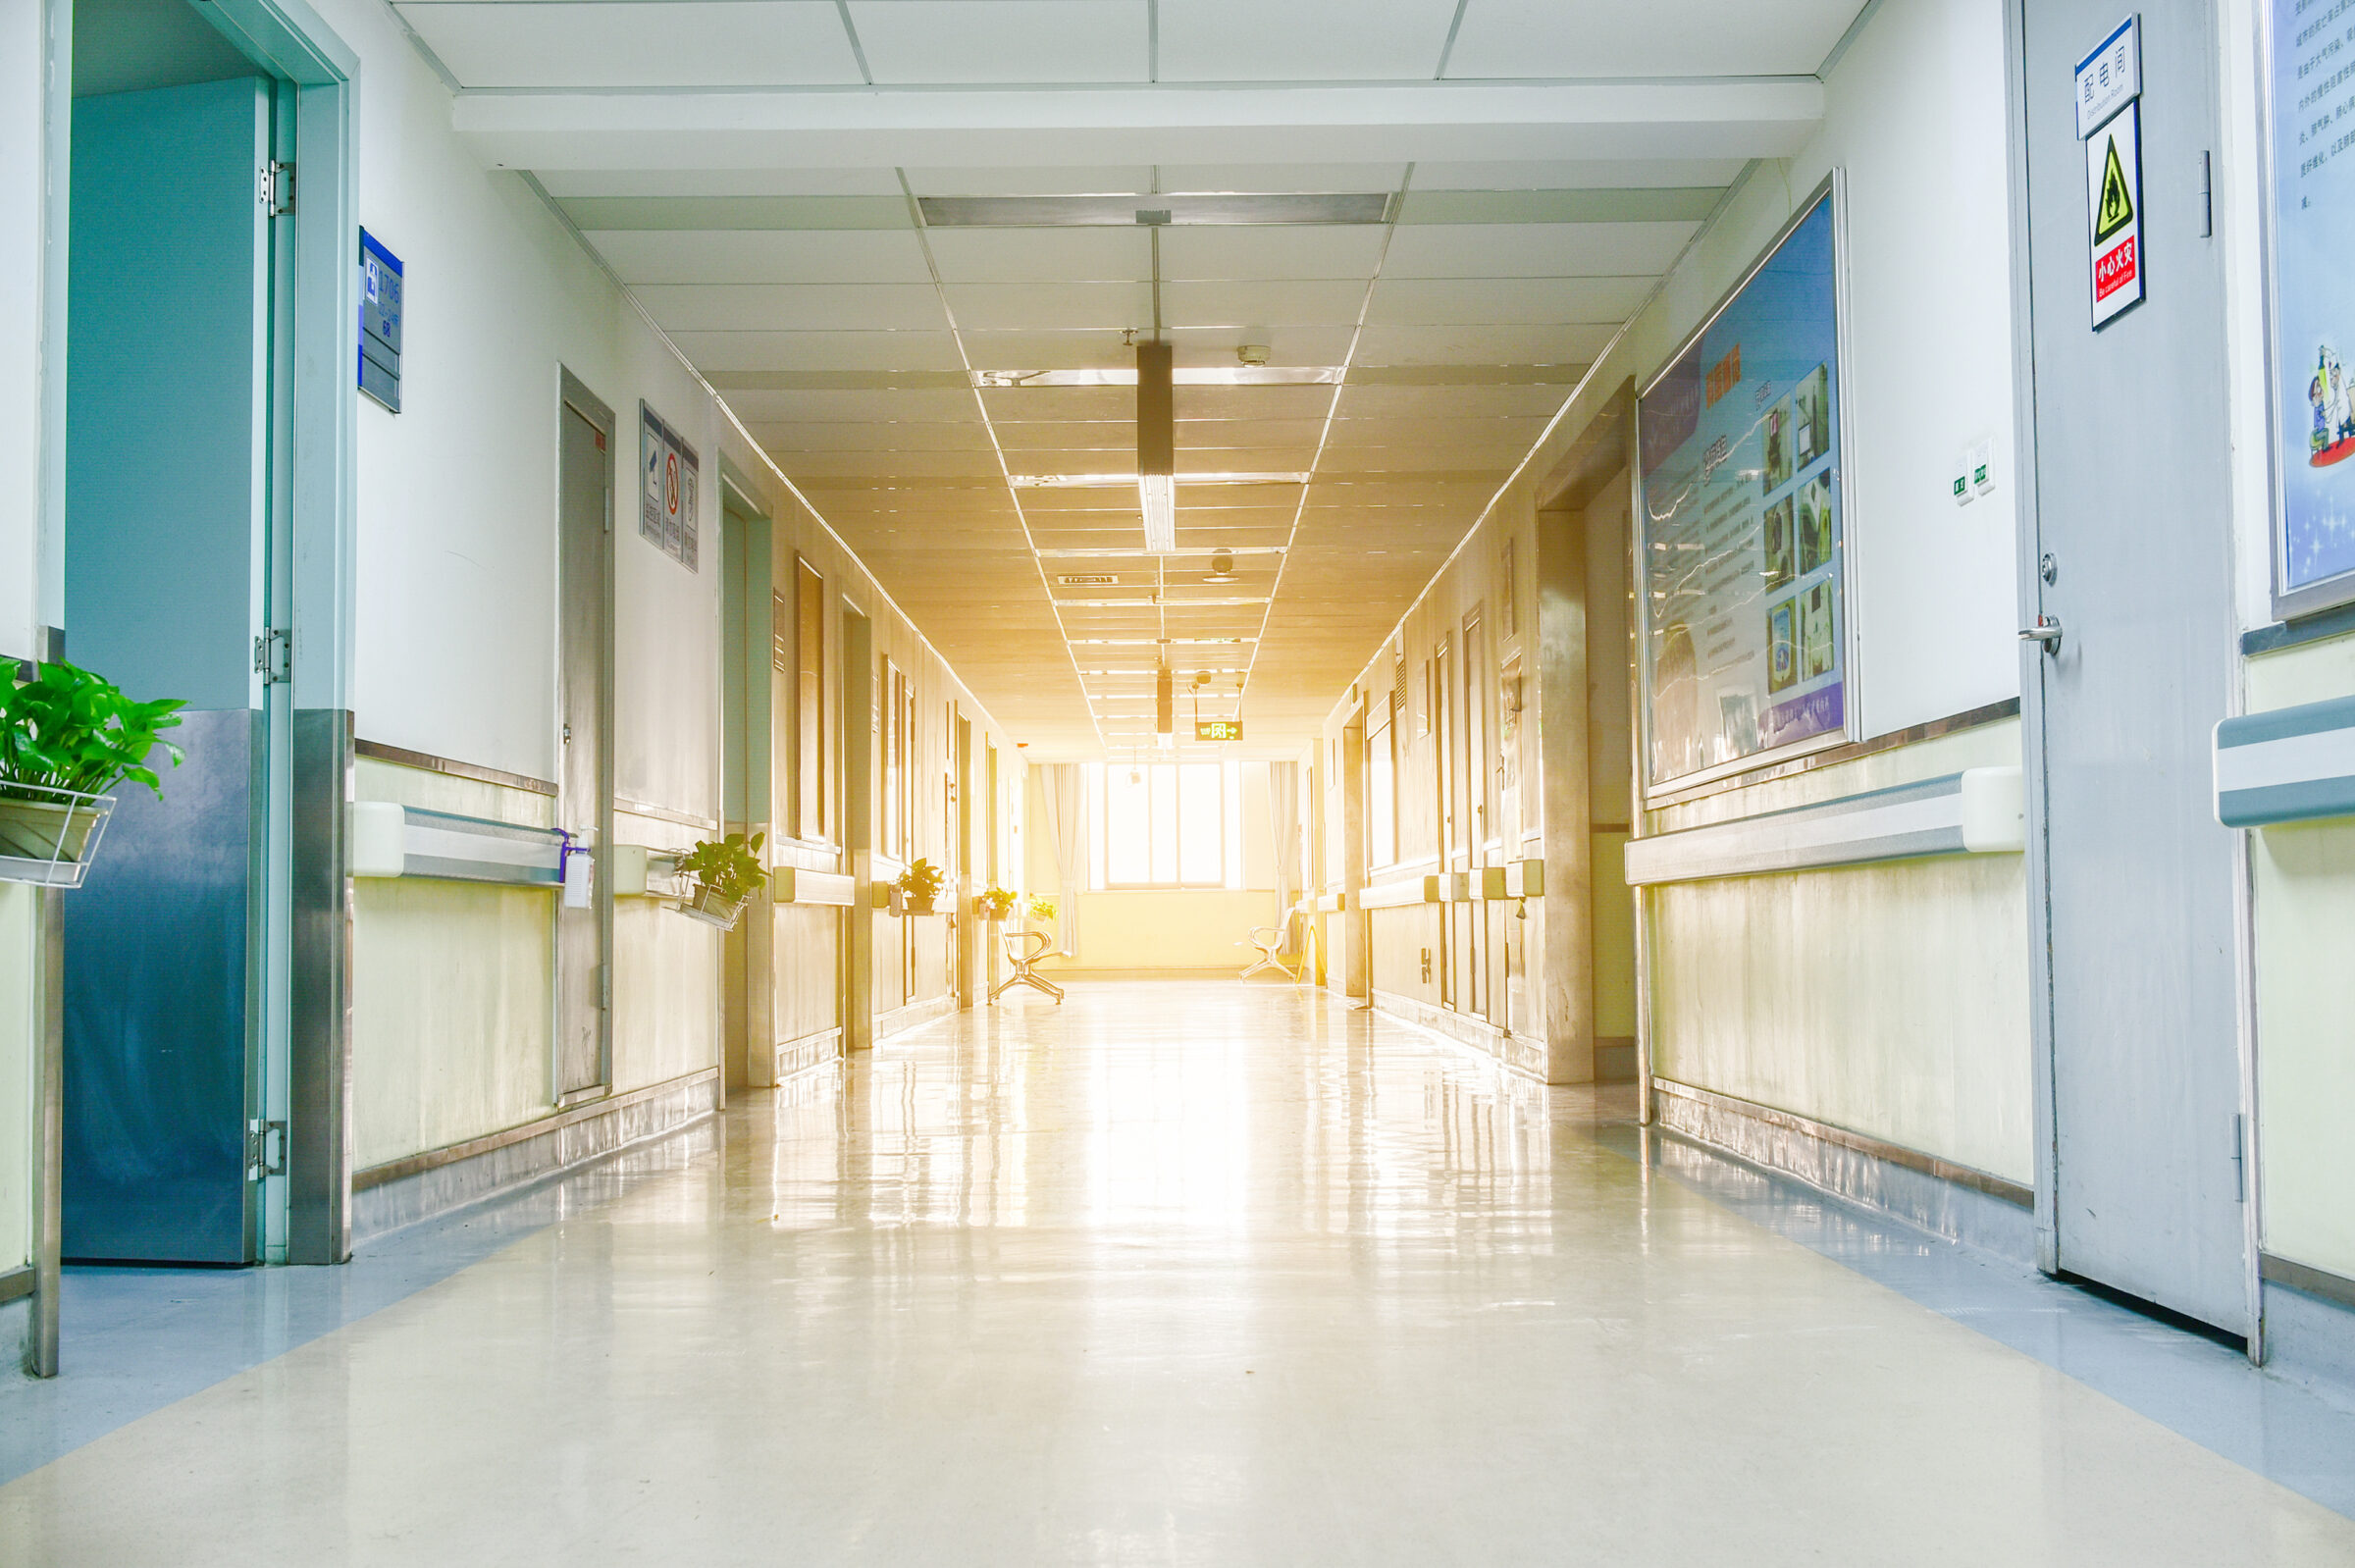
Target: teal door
(170, 580)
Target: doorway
(202, 1116)
(754, 655)
(584, 741)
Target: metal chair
(1268, 940)
(1022, 954)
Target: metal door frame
(574, 394)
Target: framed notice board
(2310, 78)
(1746, 655)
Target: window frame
(1227, 837)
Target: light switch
(1982, 468)
(1959, 484)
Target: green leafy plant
(921, 881)
(996, 903)
(730, 867)
(68, 729)
(1042, 908)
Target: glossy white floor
(1194, 1274)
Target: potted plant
(918, 886)
(726, 872)
(1042, 908)
(66, 736)
(996, 903)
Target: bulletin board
(2311, 143)
(667, 491)
(1745, 652)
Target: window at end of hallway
(1166, 824)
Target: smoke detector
(1222, 566)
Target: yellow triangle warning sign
(2116, 207)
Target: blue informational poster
(667, 516)
(1744, 611)
(2313, 85)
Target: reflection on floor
(1170, 1274)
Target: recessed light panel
(1106, 212)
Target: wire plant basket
(48, 836)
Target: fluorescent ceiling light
(1122, 481)
(1109, 553)
(1122, 212)
(1157, 496)
(1182, 375)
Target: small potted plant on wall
(918, 886)
(996, 903)
(1042, 909)
(726, 872)
(66, 736)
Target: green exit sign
(1218, 729)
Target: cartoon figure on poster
(2329, 394)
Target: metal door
(585, 764)
(2132, 513)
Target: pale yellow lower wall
(20, 907)
(453, 987)
(2302, 879)
(1890, 1000)
(665, 975)
(1167, 928)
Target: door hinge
(265, 1149)
(276, 188)
(274, 656)
(605, 986)
(2241, 1157)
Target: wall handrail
(390, 840)
(2286, 764)
(1980, 810)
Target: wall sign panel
(667, 490)
(2312, 81)
(1745, 615)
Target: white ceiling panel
(924, 42)
(1535, 250)
(1042, 256)
(1288, 178)
(1303, 40)
(1080, 181)
(1328, 302)
(564, 183)
(794, 307)
(812, 436)
(1110, 306)
(918, 404)
(763, 256)
(820, 350)
(682, 43)
(1492, 301)
(1659, 38)
(1276, 250)
(1578, 175)
(1482, 345)
(1360, 402)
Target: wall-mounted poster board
(667, 491)
(2312, 81)
(1745, 652)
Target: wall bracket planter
(50, 837)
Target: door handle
(2046, 631)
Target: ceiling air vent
(1087, 579)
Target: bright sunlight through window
(1166, 824)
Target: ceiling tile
(1106, 306)
(1459, 346)
(1274, 251)
(1042, 256)
(1495, 301)
(1509, 38)
(1535, 250)
(820, 350)
(1010, 41)
(755, 256)
(794, 307)
(681, 43)
(1303, 40)
(1313, 303)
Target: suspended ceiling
(781, 183)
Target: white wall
(20, 237)
(456, 635)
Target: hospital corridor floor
(1183, 1273)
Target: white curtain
(1065, 790)
(1283, 826)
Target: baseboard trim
(1955, 1201)
(800, 1056)
(899, 1020)
(1522, 1053)
(2336, 1290)
(15, 1285)
(422, 1186)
